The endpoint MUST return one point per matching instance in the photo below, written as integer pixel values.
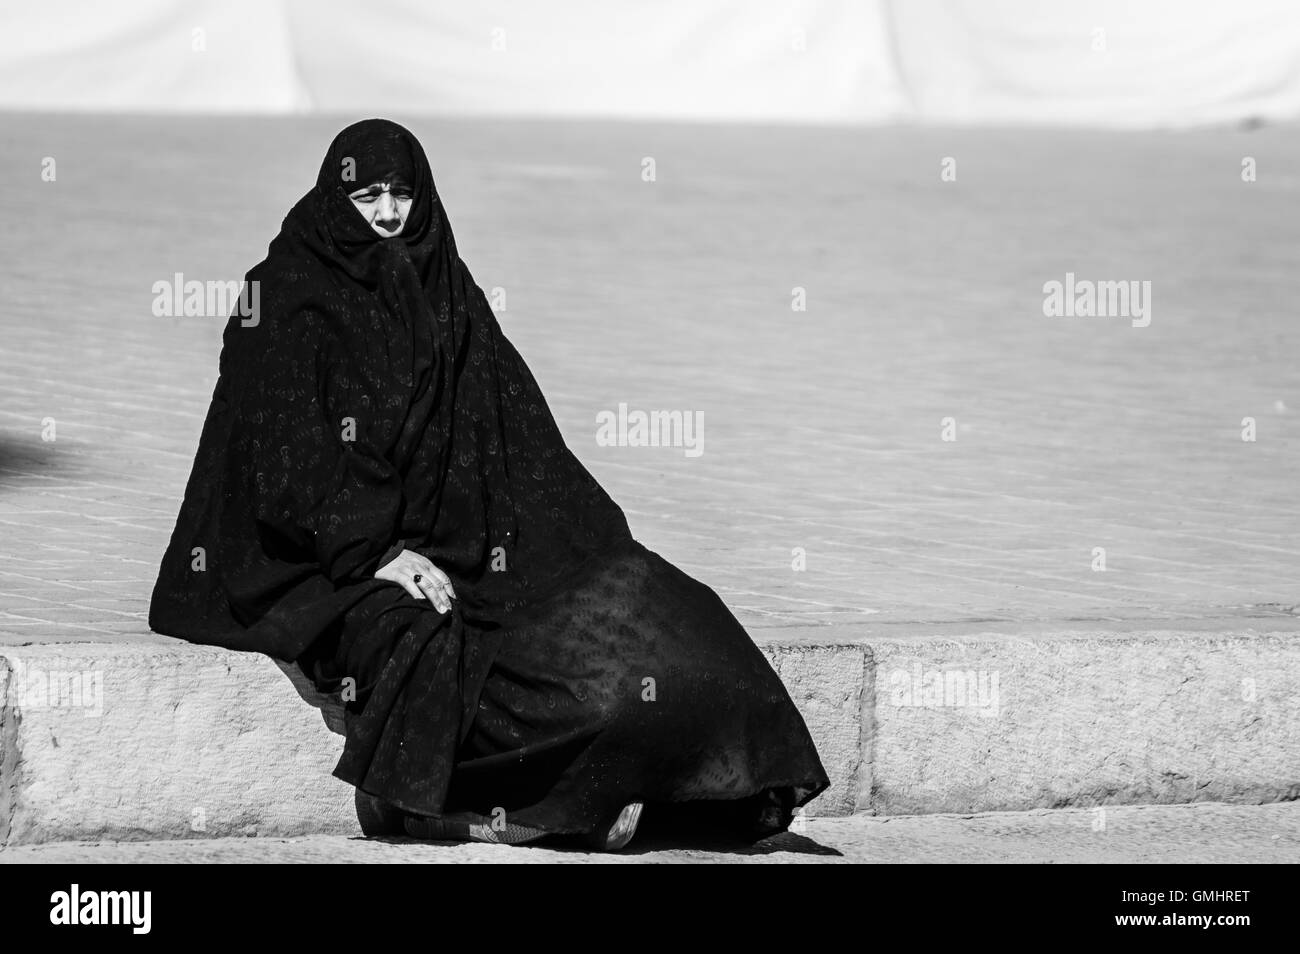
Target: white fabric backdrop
(1160, 62)
(1154, 63)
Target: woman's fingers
(411, 587)
(439, 576)
(432, 584)
(436, 592)
(438, 587)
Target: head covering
(366, 152)
(373, 404)
(373, 150)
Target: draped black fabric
(373, 404)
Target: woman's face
(384, 205)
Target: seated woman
(382, 495)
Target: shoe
(468, 826)
(511, 834)
(621, 832)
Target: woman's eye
(363, 198)
(401, 195)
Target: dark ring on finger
(418, 578)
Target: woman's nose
(386, 210)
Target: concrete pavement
(1178, 834)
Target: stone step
(141, 740)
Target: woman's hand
(420, 578)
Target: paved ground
(822, 428)
(1245, 834)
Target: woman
(381, 494)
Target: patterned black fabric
(374, 405)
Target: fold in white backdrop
(1097, 62)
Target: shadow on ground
(21, 455)
(656, 843)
